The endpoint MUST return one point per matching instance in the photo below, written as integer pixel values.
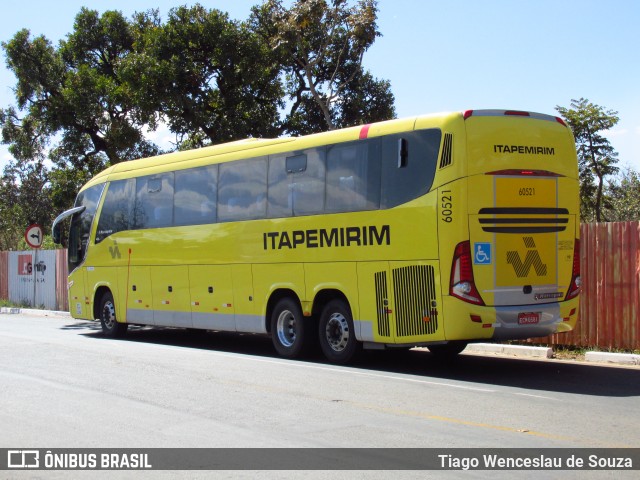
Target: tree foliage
(89, 101)
(596, 157)
(623, 194)
(321, 47)
(78, 92)
(211, 78)
(25, 198)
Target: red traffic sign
(34, 236)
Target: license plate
(529, 318)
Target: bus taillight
(462, 284)
(576, 282)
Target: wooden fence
(609, 304)
(610, 299)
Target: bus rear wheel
(337, 335)
(110, 326)
(290, 333)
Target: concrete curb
(606, 357)
(515, 350)
(544, 352)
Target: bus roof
(238, 149)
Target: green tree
(73, 102)
(211, 78)
(24, 199)
(321, 46)
(10, 210)
(623, 195)
(596, 157)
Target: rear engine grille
(415, 295)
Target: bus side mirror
(55, 228)
(56, 233)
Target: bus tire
(289, 331)
(337, 335)
(110, 326)
(447, 351)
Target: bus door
(78, 298)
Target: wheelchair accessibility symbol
(482, 253)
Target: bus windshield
(81, 224)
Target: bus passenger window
(353, 177)
(307, 187)
(296, 183)
(280, 197)
(194, 201)
(154, 201)
(242, 190)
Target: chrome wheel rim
(337, 332)
(286, 328)
(109, 315)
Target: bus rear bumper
(517, 322)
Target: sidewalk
(547, 352)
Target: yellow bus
(433, 231)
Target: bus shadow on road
(538, 375)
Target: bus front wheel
(337, 335)
(289, 332)
(110, 326)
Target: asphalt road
(65, 385)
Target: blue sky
(450, 55)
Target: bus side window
(408, 165)
(307, 187)
(116, 209)
(296, 183)
(280, 196)
(194, 201)
(154, 201)
(242, 190)
(353, 176)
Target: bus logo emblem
(115, 251)
(531, 259)
(482, 253)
